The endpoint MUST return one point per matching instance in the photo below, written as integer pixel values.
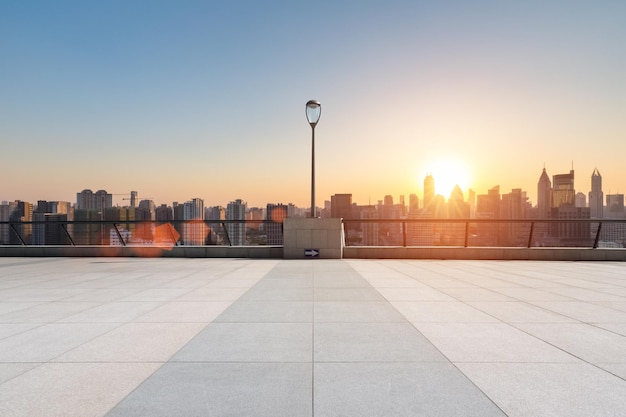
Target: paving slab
(397, 389)
(193, 337)
(222, 389)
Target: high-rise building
(514, 205)
(614, 232)
(571, 234)
(341, 206)
(563, 192)
(596, 196)
(414, 203)
(103, 200)
(236, 210)
(146, 210)
(163, 213)
(216, 213)
(457, 207)
(133, 199)
(454, 233)
(275, 214)
(429, 193)
(23, 212)
(369, 231)
(580, 200)
(85, 200)
(5, 211)
(615, 206)
(544, 196)
(194, 230)
(487, 207)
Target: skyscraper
(563, 192)
(103, 200)
(85, 200)
(544, 195)
(195, 230)
(596, 196)
(236, 210)
(429, 193)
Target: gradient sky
(183, 99)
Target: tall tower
(429, 193)
(133, 199)
(85, 200)
(236, 210)
(194, 232)
(596, 196)
(544, 195)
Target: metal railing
(141, 232)
(592, 233)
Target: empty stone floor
(121, 337)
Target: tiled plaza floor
(120, 337)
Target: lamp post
(313, 112)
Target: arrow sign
(312, 253)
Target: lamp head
(313, 112)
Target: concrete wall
(148, 252)
(325, 236)
(484, 253)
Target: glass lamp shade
(313, 112)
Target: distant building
(85, 200)
(487, 207)
(614, 233)
(414, 203)
(341, 206)
(369, 231)
(236, 210)
(596, 196)
(22, 212)
(276, 214)
(146, 210)
(194, 229)
(615, 206)
(514, 205)
(571, 234)
(544, 196)
(429, 193)
(563, 192)
(103, 200)
(163, 213)
(133, 199)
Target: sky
(206, 99)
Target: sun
(447, 173)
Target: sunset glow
(206, 99)
(447, 173)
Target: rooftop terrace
(269, 337)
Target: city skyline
(593, 198)
(207, 100)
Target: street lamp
(313, 112)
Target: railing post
(530, 235)
(18, 234)
(595, 242)
(404, 234)
(67, 234)
(226, 234)
(466, 233)
(119, 235)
